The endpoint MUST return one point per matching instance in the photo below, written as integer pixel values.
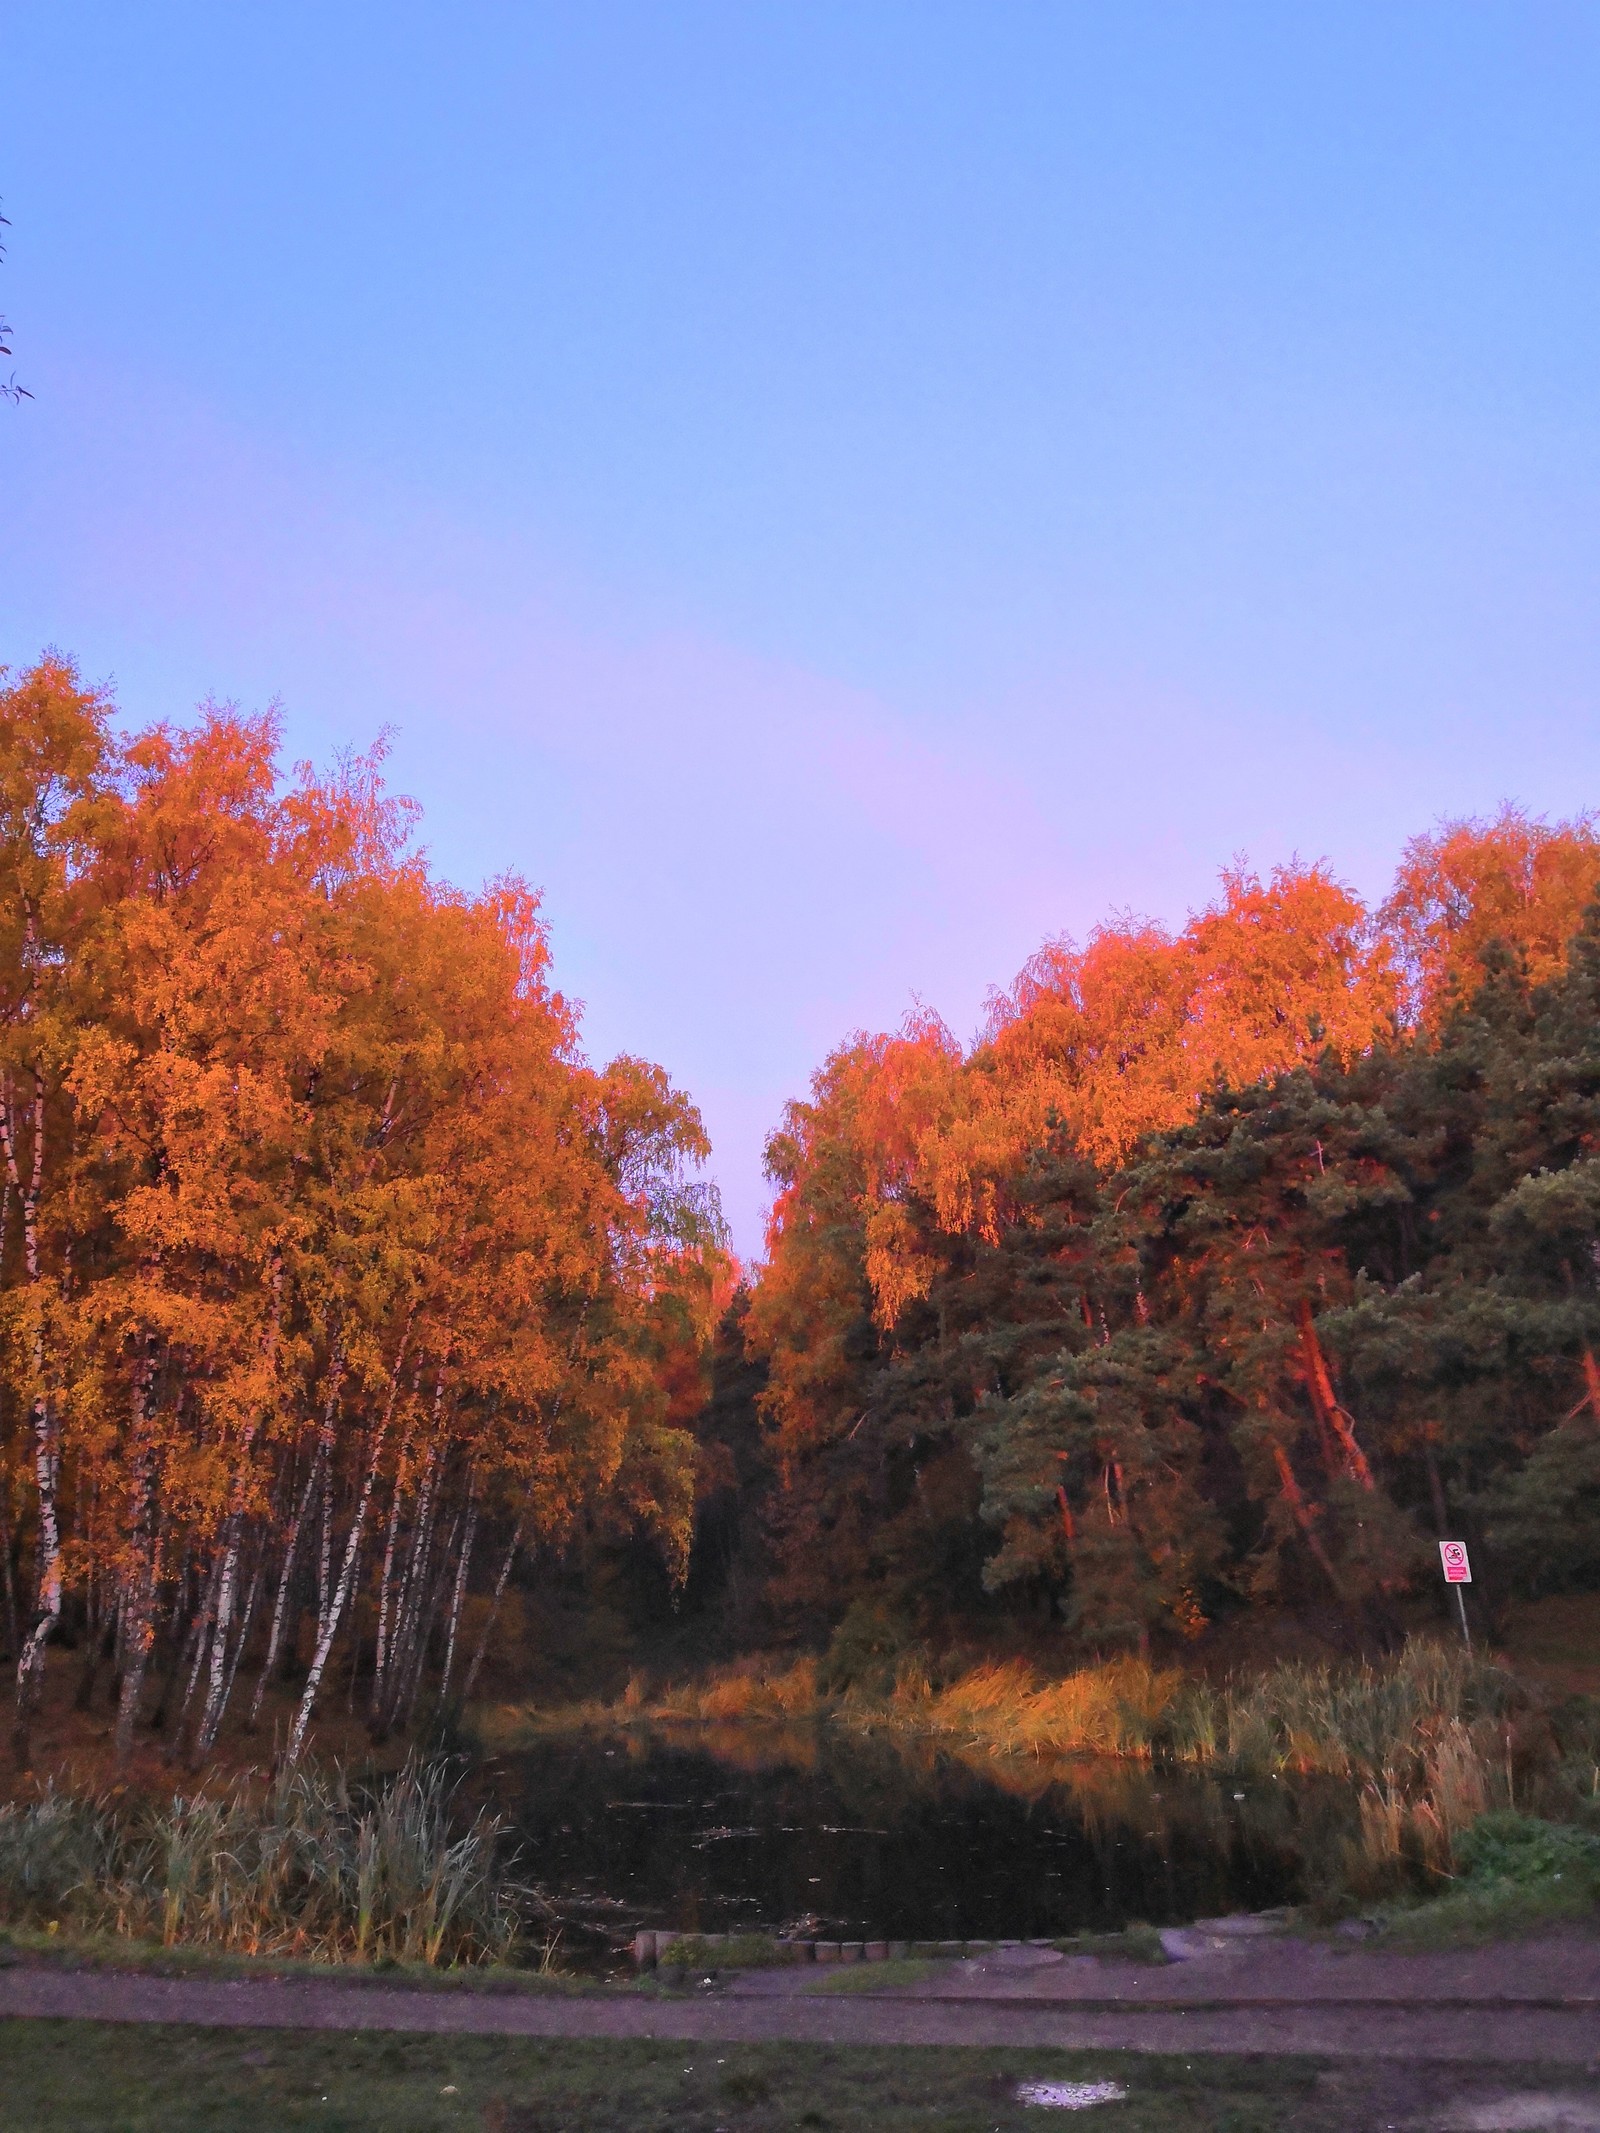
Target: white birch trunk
(136, 1630)
(493, 1615)
(412, 1590)
(280, 1604)
(330, 1626)
(463, 1560)
(380, 1657)
(243, 1638)
(46, 1456)
(211, 1711)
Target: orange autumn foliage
(1515, 881)
(339, 1262)
(1124, 1037)
(911, 1157)
(1106, 1043)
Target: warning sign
(1453, 1555)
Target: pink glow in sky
(832, 495)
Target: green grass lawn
(87, 2077)
(117, 1951)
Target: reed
(753, 1689)
(1118, 1709)
(1348, 1721)
(1351, 1721)
(1428, 1740)
(317, 1867)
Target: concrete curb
(651, 1944)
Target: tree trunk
(7, 1573)
(47, 1605)
(1591, 1381)
(1304, 1516)
(285, 1579)
(417, 1613)
(388, 1692)
(137, 1627)
(1319, 1383)
(380, 1656)
(329, 1627)
(219, 1672)
(195, 1649)
(424, 1634)
(493, 1615)
(246, 1620)
(280, 1603)
(325, 1546)
(46, 1442)
(463, 1562)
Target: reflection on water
(722, 1828)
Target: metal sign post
(1457, 1572)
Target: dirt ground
(1530, 2002)
(71, 1747)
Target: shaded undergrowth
(317, 1867)
(1513, 1874)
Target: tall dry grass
(1341, 1721)
(1005, 1706)
(1350, 1721)
(1118, 1709)
(752, 1689)
(317, 1868)
(1428, 1739)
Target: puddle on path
(1071, 2095)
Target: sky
(833, 493)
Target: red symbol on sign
(1453, 1555)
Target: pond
(747, 1829)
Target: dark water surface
(724, 1829)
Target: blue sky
(833, 493)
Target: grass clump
(740, 1951)
(86, 2077)
(894, 1975)
(1514, 1874)
(753, 1689)
(1509, 1875)
(317, 1867)
(1522, 1851)
(1134, 1944)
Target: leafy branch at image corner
(9, 388)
